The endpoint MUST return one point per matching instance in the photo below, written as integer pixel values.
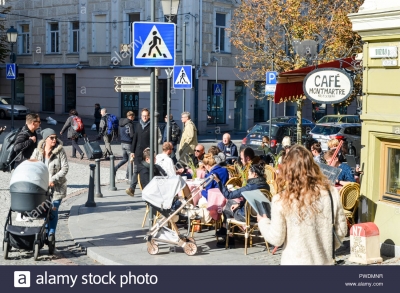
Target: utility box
(364, 243)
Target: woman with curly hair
(301, 212)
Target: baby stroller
(160, 194)
(29, 196)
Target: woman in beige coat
(189, 138)
(50, 151)
(301, 212)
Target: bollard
(364, 244)
(112, 174)
(97, 192)
(90, 201)
(130, 171)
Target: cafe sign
(328, 86)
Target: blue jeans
(126, 152)
(54, 217)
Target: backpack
(112, 124)
(175, 132)
(77, 124)
(7, 153)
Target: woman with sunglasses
(50, 151)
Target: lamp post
(170, 9)
(215, 96)
(12, 35)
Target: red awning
(290, 83)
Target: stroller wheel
(7, 249)
(36, 252)
(152, 247)
(190, 248)
(52, 244)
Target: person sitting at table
(164, 160)
(234, 209)
(213, 168)
(265, 145)
(346, 176)
(228, 147)
(219, 156)
(143, 169)
(317, 153)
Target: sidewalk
(112, 234)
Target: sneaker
(130, 191)
(221, 232)
(82, 155)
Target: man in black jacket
(140, 141)
(126, 134)
(26, 140)
(174, 135)
(97, 116)
(144, 169)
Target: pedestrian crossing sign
(153, 44)
(11, 71)
(183, 77)
(217, 89)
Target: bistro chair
(232, 171)
(270, 173)
(235, 181)
(248, 228)
(349, 195)
(273, 187)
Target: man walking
(140, 141)
(104, 133)
(26, 140)
(174, 135)
(126, 133)
(97, 116)
(189, 138)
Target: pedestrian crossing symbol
(154, 44)
(11, 71)
(217, 89)
(183, 77)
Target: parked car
(339, 119)
(350, 132)
(279, 130)
(292, 120)
(20, 111)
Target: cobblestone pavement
(67, 253)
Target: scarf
(144, 124)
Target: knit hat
(286, 141)
(47, 132)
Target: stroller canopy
(31, 176)
(161, 191)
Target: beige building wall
(377, 23)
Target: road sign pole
(216, 114)
(169, 74)
(152, 103)
(270, 104)
(184, 61)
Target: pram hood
(31, 176)
(161, 190)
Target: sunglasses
(286, 147)
(197, 151)
(53, 137)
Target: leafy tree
(266, 33)
(4, 45)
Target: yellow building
(378, 23)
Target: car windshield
(5, 101)
(329, 119)
(281, 119)
(264, 129)
(325, 130)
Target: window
(54, 41)
(215, 104)
(132, 18)
(130, 102)
(24, 39)
(48, 94)
(220, 25)
(391, 166)
(74, 38)
(20, 89)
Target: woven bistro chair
(247, 228)
(273, 187)
(270, 173)
(232, 171)
(235, 181)
(350, 194)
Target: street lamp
(215, 96)
(170, 9)
(12, 35)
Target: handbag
(335, 262)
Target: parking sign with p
(270, 82)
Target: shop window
(69, 92)
(130, 102)
(391, 175)
(216, 104)
(20, 89)
(48, 93)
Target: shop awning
(290, 84)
